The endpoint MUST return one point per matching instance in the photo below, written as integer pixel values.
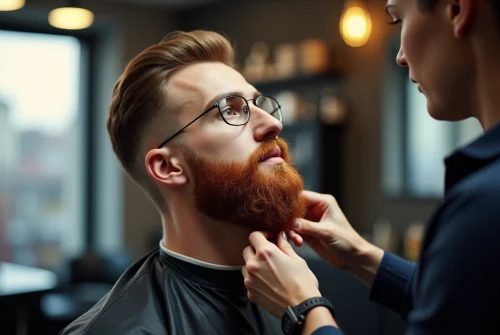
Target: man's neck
(488, 81)
(191, 233)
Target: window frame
(396, 88)
(87, 97)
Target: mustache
(268, 147)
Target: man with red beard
(203, 144)
(261, 194)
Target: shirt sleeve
(458, 282)
(327, 330)
(392, 285)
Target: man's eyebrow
(222, 95)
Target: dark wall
(278, 21)
(122, 214)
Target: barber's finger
(319, 230)
(248, 253)
(296, 238)
(320, 205)
(284, 246)
(244, 272)
(315, 197)
(258, 239)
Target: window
(42, 188)
(415, 144)
(428, 142)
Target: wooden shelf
(330, 77)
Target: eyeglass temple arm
(190, 123)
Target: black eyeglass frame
(217, 105)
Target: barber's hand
(328, 232)
(275, 276)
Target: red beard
(244, 194)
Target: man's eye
(394, 22)
(229, 112)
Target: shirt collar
(485, 147)
(472, 157)
(198, 262)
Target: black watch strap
(310, 303)
(294, 317)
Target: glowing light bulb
(71, 18)
(355, 25)
(7, 5)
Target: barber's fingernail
(283, 235)
(296, 224)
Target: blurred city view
(40, 169)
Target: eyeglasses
(235, 111)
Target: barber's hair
(139, 102)
(496, 8)
(426, 5)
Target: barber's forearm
(318, 317)
(365, 263)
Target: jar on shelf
(332, 107)
(413, 240)
(285, 56)
(314, 56)
(290, 105)
(257, 65)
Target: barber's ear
(461, 14)
(165, 167)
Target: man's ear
(461, 14)
(165, 167)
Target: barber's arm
(329, 233)
(280, 281)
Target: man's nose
(401, 58)
(265, 126)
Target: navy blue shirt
(455, 287)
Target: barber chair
(90, 277)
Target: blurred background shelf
(315, 149)
(316, 146)
(302, 81)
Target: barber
(452, 48)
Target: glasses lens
(271, 106)
(234, 110)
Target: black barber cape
(163, 294)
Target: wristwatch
(294, 317)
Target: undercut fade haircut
(140, 104)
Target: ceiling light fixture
(355, 24)
(7, 5)
(71, 17)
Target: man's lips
(273, 157)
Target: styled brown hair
(426, 5)
(140, 104)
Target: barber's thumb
(313, 229)
(284, 245)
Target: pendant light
(355, 24)
(8, 5)
(71, 17)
